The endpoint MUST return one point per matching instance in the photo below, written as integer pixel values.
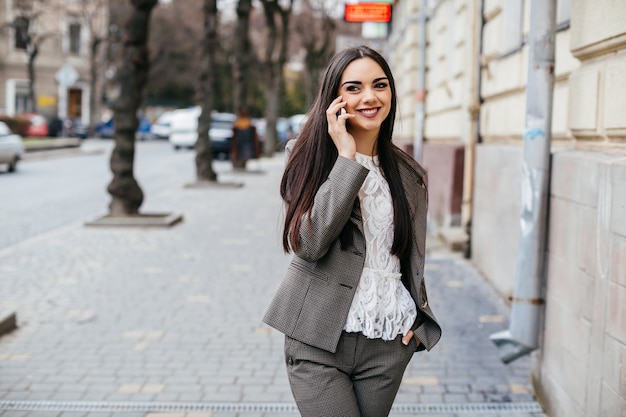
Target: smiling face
(366, 90)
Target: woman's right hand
(337, 118)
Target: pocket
(308, 270)
(324, 308)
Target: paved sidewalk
(122, 321)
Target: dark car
(221, 133)
(55, 127)
(75, 128)
(105, 130)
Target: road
(65, 187)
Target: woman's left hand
(406, 339)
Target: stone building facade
(63, 32)
(464, 108)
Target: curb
(50, 144)
(8, 322)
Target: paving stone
(43, 414)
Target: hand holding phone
(338, 117)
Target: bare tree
(242, 54)
(30, 33)
(126, 193)
(273, 62)
(174, 53)
(318, 42)
(204, 154)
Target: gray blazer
(311, 304)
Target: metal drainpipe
(522, 337)
(474, 128)
(418, 136)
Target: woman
(353, 305)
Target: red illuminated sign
(368, 12)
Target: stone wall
(496, 214)
(447, 122)
(581, 368)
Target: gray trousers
(360, 380)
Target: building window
(21, 25)
(74, 33)
(513, 25)
(22, 98)
(563, 12)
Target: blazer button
(290, 360)
(425, 304)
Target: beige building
(469, 130)
(63, 31)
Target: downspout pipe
(522, 336)
(473, 135)
(420, 110)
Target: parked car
(38, 125)
(75, 128)
(284, 132)
(144, 129)
(183, 127)
(221, 133)
(55, 127)
(11, 147)
(162, 127)
(297, 122)
(106, 129)
(184, 130)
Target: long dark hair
(314, 155)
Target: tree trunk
(204, 154)
(241, 67)
(93, 82)
(273, 88)
(32, 96)
(273, 66)
(126, 193)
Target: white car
(184, 130)
(11, 147)
(297, 121)
(163, 126)
(184, 127)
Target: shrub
(17, 124)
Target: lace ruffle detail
(382, 307)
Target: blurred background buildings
(49, 56)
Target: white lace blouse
(382, 307)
